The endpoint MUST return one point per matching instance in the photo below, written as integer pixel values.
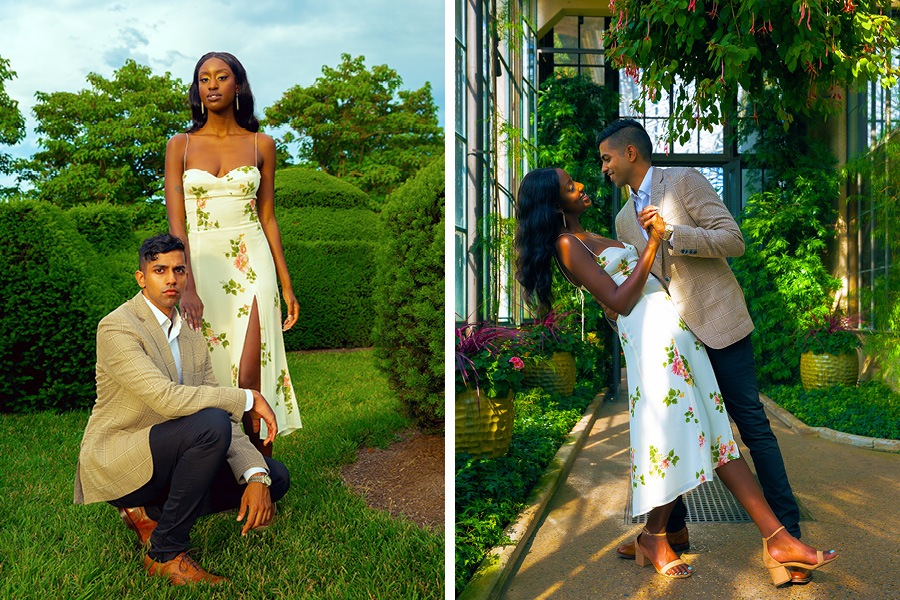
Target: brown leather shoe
(678, 540)
(136, 519)
(181, 570)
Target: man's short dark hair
(625, 132)
(159, 244)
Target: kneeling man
(164, 443)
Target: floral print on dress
(678, 363)
(690, 416)
(233, 287)
(634, 398)
(265, 356)
(213, 339)
(716, 398)
(635, 478)
(724, 452)
(624, 267)
(241, 259)
(701, 475)
(234, 375)
(250, 211)
(660, 462)
(283, 388)
(204, 220)
(673, 396)
(243, 311)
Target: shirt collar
(171, 329)
(646, 185)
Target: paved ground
(853, 496)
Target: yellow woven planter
(823, 370)
(555, 374)
(483, 425)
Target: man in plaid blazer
(700, 235)
(163, 443)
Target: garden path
(850, 492)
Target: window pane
(460, 276)
(461, 200)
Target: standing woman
(219, 186)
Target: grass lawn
(324, 542)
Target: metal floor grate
(709, 502)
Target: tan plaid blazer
(137, 387)
(693, 267)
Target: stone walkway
(852, 495)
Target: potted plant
(830, 352)
(488, 372)
(551, 348)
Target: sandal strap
(665, 568)
(773, 534)
(645, 532)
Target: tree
(806, 50)
(107, 143)
(357, 124)
(12, 125)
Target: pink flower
(517, 363)
(702, 440)
(241, 262)
(702, 478)
(665, 463)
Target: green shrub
(53, 296)
(303, 187)
(332, 284)
(327, 224)
(409, 295)
(787, 228)
(871, 410)
(329, 238)
(104, 226)
(491, 492)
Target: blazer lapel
(155, 333)
(632, 227)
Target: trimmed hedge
(871, 410)
(303, 187)
(327, 224)
(329, 237)
(409, 295)
(331, 281)
(55, 290)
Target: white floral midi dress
(232, 264)
(678, 426)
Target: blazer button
(667, 279)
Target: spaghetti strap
(582, 243)
(255, 150)
(187, 138)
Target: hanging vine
(806, 50)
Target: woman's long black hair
(244, 116)
(538, 223)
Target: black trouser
(191, 478)
(735, 372)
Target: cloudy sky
(53, 44)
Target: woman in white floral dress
(220, 200)
(680, 434)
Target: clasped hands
(652, 221)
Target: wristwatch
(667, 234)
(260, 478)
